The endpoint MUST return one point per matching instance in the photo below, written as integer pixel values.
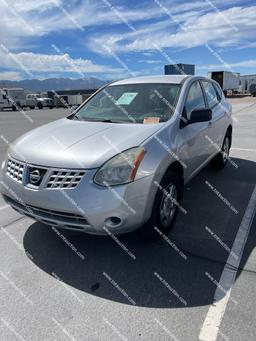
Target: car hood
(67, 143)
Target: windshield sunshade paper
(126, 98)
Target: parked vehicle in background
(253, 90)
(67, 100)
(35, 100)
(228, 81)
(12, 98)
(75, 100)
(123, 158)
(245, 83)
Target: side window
(211, 94)
(195, 99)
(218, 91)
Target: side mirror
(200, 115)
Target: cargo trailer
(228, 81)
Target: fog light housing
(113, 222)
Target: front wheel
(40, 105)
(165, 208)
(221, 159)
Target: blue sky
(111, 39)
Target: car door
(217, 126)
(194, 148)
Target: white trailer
(228, 81)
(75, 99)
(13, 98)
(246, 82)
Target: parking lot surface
(82, 287)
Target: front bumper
(87, 207)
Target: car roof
(171, 79)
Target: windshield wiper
(106, 120)
(76, 117)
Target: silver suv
(120, 162)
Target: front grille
(49, 216)
(42, 177)
(15, 170)
(64, 179)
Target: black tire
(221, 159)
(32, 107)
(157, 225)
(14, 108)
(51, 107)
(40, 105)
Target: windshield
(134, 103)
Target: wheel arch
(178, 169)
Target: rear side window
(218, 91)
(211, 94)
(195, 99)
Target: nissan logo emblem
(34, 177)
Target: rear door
(217, 126)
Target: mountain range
(55, 84)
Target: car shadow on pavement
(182, 271)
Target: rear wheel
(165, 208)
(221, 159)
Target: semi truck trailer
(228, 81)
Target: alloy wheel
(168, 204)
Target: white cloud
(10, 75)
(151, 61)
(245, 63)
(238, 28)
(30, 63)
(24, 21)
(31, 18)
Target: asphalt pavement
(84, 287)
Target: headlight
(121, 169)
